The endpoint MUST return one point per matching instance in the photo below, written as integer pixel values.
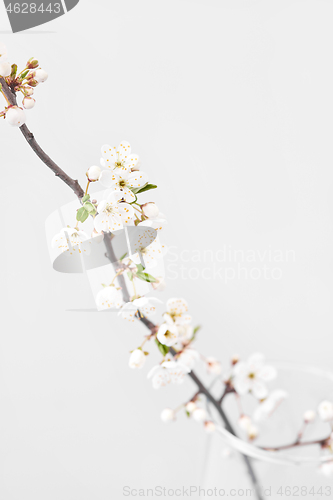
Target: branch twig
(73, 184)
(202, 389)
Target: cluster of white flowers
(23, 82)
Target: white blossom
(168, 372)
(123, 181)
(137, 359)
(189, 357)
(151, 249)
(146, 305)
(111, 214)
(244, 422)
(70, 239)
(213, 366)
(190, 406)
(250, 376)
(325, 411)
(209, 426)
(157, 224)
(15, 116)
(252, 432)
(150, 210)
(40, 75)
(167, 334)
(28, 102)
(93, 173)
(309, 416)
(5, 68)
(199, 415)
(109, 297)
(168, 415)
(119, 159)
(269, 405)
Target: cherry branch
(201, 388)
(73, 184)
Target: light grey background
(229, 105)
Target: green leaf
(86, 198)
(195, 330)
(146, 187)
(14, 71)
(82, 214)
(188, 414)
(123, 256)
(145, 277)
(164, 349)
(130, 275)
(24, 74)
(140, 267)
(89, 207)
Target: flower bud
(209, 426)
(32, 63)
(244, 422)
(309, 416)
(28, 102)
(213, 366)
(234, 359)
(5, 68)
(28, 91)
(167, 415)
(137, 359)
(32, 82)
(15, 116)
(190, 407)
(40, 76)
(325, 411)
(93, 173)
(252, 432)
(199, 415)
(150, 210)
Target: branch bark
(73, 184)
(201, 387)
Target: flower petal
(176, 306)
(108, 178)
(126, 211)
(110, 156)
(131, 161)
(124, 150)
(259, 390)
(137, 179)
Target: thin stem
(201, 388)
(73, 184)
(321, 442)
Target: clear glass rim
(253, 451)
